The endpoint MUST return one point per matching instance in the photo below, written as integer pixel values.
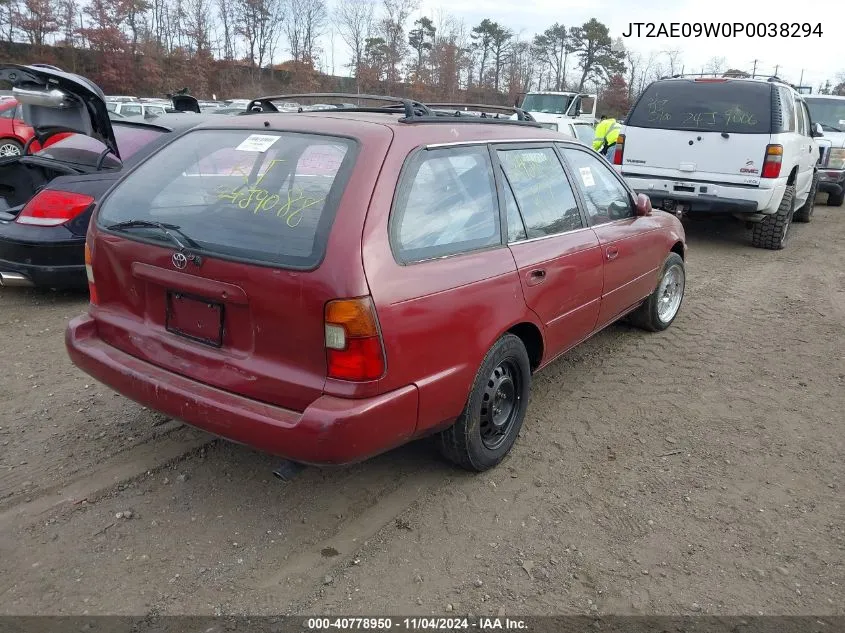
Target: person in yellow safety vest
(607, 131)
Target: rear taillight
(353, 343)
(772, 162)
(52, 208)
(89, 270)
(620, 148)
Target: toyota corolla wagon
(328, 285)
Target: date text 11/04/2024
(417, 624)
(723, 29)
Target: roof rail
(414, 111)
(521, 115)
(265, 104)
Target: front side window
(447, 205)
(267, 197)
(546, 201)
(8, 113)
(131, 110)
(607, 199)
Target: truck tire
(771, 232)
(835, 200)
(490, 422)
(806, 212)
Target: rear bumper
(831, 181)
(45, 256)
(710, 197)
(330, 431)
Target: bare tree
(225, 9)
(67, 11)
(36, 19)
(354, 21)
(306, 21)
(715, 66)
(392, 29)
(259, 23)
(633, 60)
(674, 59)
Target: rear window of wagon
(265, 197)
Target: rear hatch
(700, 130)
(207, 260)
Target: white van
(741, 147)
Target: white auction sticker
(257, 143)
(587, 177)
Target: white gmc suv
(741, 147)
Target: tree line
(240, 48)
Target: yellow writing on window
(289, 206)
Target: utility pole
(754, 70)
(776, 69)
(801, 81)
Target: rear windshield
(267, 197)
(742, 107)
(829, 112)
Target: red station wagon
(328, 285)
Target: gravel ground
(694, 471)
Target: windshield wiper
(830, 128)
(168, 229)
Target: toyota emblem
(179, 260)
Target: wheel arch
(532, 337)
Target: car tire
(10, 147)
(806, 212)
(490, 423)
(771, 232)
(662, 306)
(835, 200)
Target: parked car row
(329, 284)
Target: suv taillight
(772, 162)
(353, 342)
(52, 208)
(620, 148)
(89, 270)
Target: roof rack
(521, 115)
(265, 104)
(414, 111)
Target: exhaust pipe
(15, 279)
(288, 470)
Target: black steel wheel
(492, 418)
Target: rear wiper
(164, 228)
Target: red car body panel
(16, 129)
(267, 385)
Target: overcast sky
(820, 58)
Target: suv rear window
(267, 197)
(741, 107)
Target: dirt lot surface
(695, 471)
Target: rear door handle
(537, 276)
(612, 252)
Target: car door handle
(537, 276)
(612, 252)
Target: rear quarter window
(740, 107)
(263, 197)
(446, 205)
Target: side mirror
(817, 130)
(643, 205)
